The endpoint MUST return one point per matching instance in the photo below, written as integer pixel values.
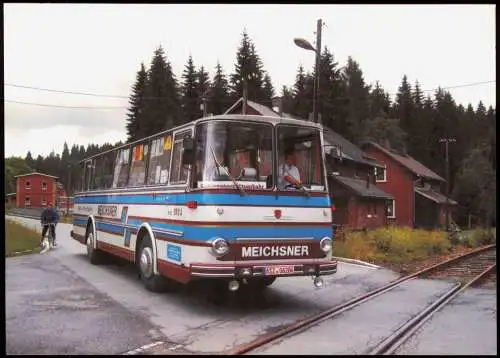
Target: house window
(44, 186)
(28, 184)
(27, 201)
(44, 200)
(390, 208)
(380, 175)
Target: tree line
(412, 124)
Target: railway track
(472, 268)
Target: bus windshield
(227, 151)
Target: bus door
(179, 173)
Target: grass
(21, 239)
(399, 247)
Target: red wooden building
(418, 201)
(358, 202)
(35, 190)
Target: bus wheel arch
(145, 253)
(146, 231)
(94, 256)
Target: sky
(98, 49)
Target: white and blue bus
(209, 200)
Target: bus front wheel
(152, 281)
(94, 255)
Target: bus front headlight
(325, 244)
(220, 247)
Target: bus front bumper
(242, 270)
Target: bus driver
(288, 169)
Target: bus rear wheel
(145, 261)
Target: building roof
(359, 187)
(411, 164)
(263, 110)
(35, 173)
(434, 196)
(348, 150)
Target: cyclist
(49, 216)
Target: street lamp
(446, 141)
(302, 43)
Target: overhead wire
(125, 97)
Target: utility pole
(316, 77)
(446, 141)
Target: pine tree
(286, 100)
(332, 101)
(203, 85)
(403, 108)
(248, 67)
(162, 110)
(135, 118)
(189, 99)
(380, 103)
(358, 105)
(219, 94)
(268, 93)
(29, 160)
(302, 95)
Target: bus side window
(159, 161)
(121, 168)
(138, 167)
(179, 172)
(97, 182)
(107, 176)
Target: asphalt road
(112, 298)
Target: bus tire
(94, 256)
(152, 281)
(268, 281)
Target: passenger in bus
(288, 169)
(214, 171)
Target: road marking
(143, 348)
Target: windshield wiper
(242, 191)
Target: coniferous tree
(302, 94)
(162, 110)
(380, 102)
(135, 118)
(268, 92)
(202, 88)
(189, 99)
(332, 101)
(219, 93)
(248, 67)
(287, 100)
(358, 106)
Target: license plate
(278, 270)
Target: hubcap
(146, 262)
(90, 244)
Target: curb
(357, 262)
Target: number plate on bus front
(279, 270)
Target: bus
(209, 200)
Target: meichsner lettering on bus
(275, 251)
(105, 210)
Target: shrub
(394, 244)
(482, 237)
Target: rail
(332, 312)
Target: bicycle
(49, 240)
